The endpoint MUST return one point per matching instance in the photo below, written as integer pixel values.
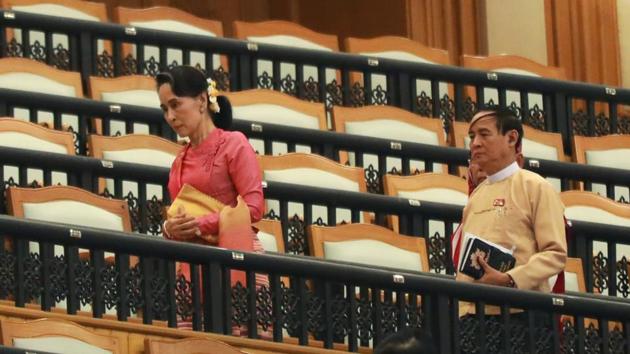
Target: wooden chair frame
(260, 96)
(586, 198)
(125, 16)
(582, 144)
(348, 232)
(188, 345)
(95, 9)
(23, 65)
(56, 328)
(243, 30)
(343, 115)
(272, 227)
(497, 62)
(17, 196)
(9, 124)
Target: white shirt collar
(504, 173)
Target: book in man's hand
(497, 256)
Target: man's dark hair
(407, 341)
(506, 120)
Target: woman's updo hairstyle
(187, 81)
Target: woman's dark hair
(187, 81)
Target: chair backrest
(275, 107)
(25, 135)
(536, 143)
(270, 235)
(56, 336)
(167, 19)
(591, 207)
(574, 275)
(33, 76)
(399, 48)
(284, 33)
(70, 205)
(134, 148)
(75, 9)
(311, 170)
(188, 345)
(513, 64)
(369, 244)
(388, 122)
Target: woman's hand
(182, 227)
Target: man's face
(488, 147)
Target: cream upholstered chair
(390, 123)
(16, 133)
(57, 336)
(287, 34)
(574, 275)
(267, 106)
(133, 90)
(173, 20)
(30, 75)
(134, 148)
(73, 9)
(270, 235)
(369, 245)
(431, 187)
(607, 151)
(315, 171)
(398, 48)
(591, 207)
(188, 345)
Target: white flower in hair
(212, 96)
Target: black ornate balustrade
(566, 107)
(414, 217)
(305, 296)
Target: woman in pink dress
(216, 161)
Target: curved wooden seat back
(25, 135)
(57, 336)
(188, 345)
(370, 245)
(270, 235)
(174, 20)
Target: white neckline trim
(504, 173)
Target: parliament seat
(135, 90)
(189, 345)
(284, 33)
(512, 64)
(369, 244)
(170, 19)
(315, 171)
(398, 48)
(392, 123)
(267, 106)
(270, 235)
(57, 336)
(431, 187)
(606, 151)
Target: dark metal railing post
(46, 255)
(21, 253)
(96, 258)
(122, 265)
(146, 269)
(86, 57)
(213, 288)
(71, 254)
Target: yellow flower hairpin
(212, 96)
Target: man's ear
(512, 137)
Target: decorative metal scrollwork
(437, 253)
(447, 108)
(569, 337)
(159, 294)
(264, 309)
(494, 334)
(38, 52)
(579, 123)
(14, 49)
(134, 210)
(105, 64)
(129, 65)
(61, 57)
(314, 314)
(311, 90)
(592, 340)
(288, 85)
(623, 125)
(151, 67)
(357, 95)
(602, 124)
(32, 277)
(334, 94)
(83, 281)
(616, 341)
(536, 117)
(58, 278)
(424, 104)
(154, 216)
(600, 272)
(240, 310)
(340, 316)
(623, 284)
(271, 215)
(364, 312)
(183, 298)
(265, 81)
(7, 275)
(515, 109)
(296, 236)
(469, 109)
(380, 96)
(289, 310)
(389, 318)
(373, 180)
(109, 285)
(222, 78)
(135, 284)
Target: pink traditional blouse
(223, 166)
